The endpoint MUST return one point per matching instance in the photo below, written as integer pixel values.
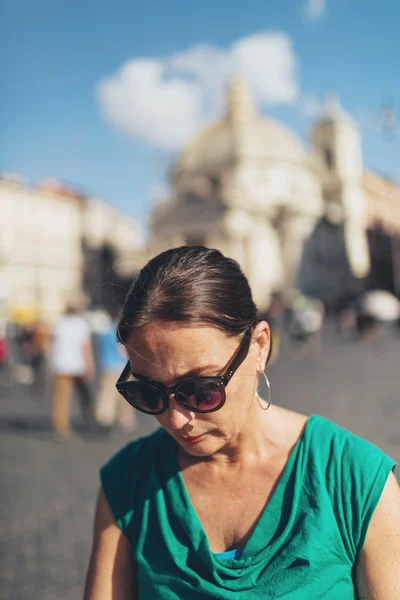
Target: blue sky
(66, 112)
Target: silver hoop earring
(264, 404)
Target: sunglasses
(197, 394)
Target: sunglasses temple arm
(125, 372)
(238, 358)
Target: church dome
(241, 133)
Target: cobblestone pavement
(49, 486)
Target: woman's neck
(257, 442)
(254, 443)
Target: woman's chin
(202, 449)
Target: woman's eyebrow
(141, 377)
(199, 371)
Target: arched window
(329, 157)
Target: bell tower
(337, 141)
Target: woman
(228, 499)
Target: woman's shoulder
(336, 440)
(127, 474)
(330, 447)
(350, 473)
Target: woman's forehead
(175, 349)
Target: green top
(303, 547)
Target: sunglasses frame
(241, 353)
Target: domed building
(248, 186)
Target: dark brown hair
(190, 284)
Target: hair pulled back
(190, 284)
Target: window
(329, 157)
(193, 198)
(215, 183)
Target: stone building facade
(249, 186)
(47, 236)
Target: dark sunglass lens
(144, 397)
(202, 396)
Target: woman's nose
(178, 415)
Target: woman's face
(170, 352)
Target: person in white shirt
(73, 366)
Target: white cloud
(139, 101)
(269, 65)
(315, 9)
(164, 102)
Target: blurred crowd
(80, 357)
(300, 320)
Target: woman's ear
(262, 338)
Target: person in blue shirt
(111, 408)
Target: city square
(185, 186)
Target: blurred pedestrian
(348, 319)
(368, 314)
(379, 309)
(305, 326)
(3, 346)
(39, 349)
(111, 407)
(23, 369)
(73, 367)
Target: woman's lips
(191, 439)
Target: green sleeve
(119, 480)
(364, 470)
(125, 479)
